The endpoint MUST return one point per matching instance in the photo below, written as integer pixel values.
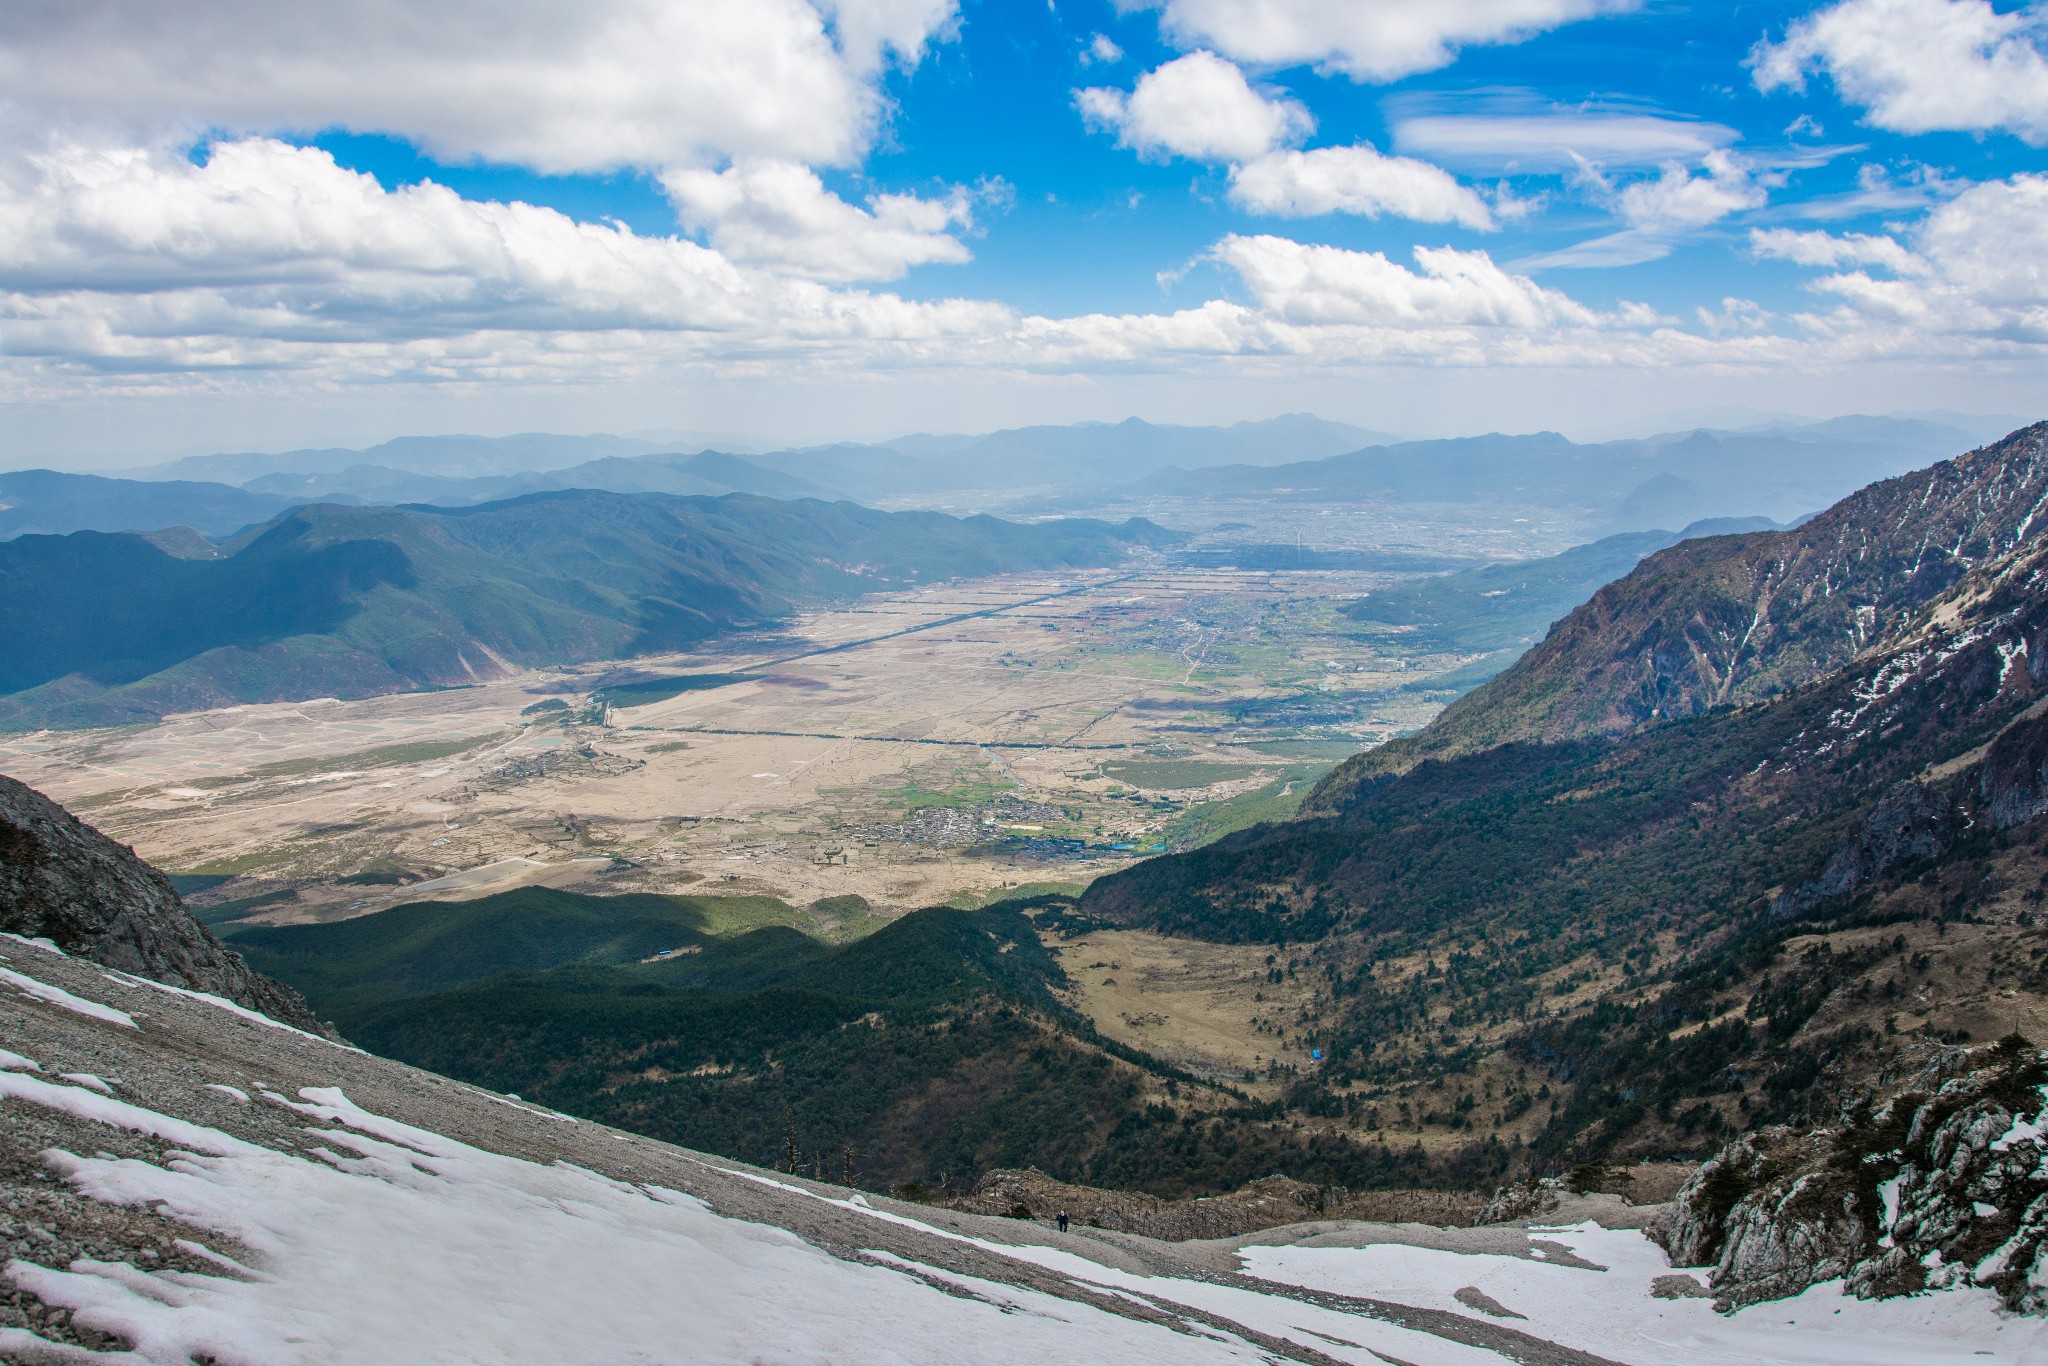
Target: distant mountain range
(1782, 472)
(219, 495)
(328, 600)
(448, 457)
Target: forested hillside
(330, 600)
(928, 1052)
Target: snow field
(57, 996)
(1347, 1337)
(1613, 1313)
(401, 1245)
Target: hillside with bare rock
(64, 881)
(1733, 620)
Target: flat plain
(955, 743)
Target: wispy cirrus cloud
(1372, 40)
(1553, 140)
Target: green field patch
(650, 690)
(916, 795)
(1308, 750)
(225, 868)
(1166, 775)
(979, 901)
(1275, 801)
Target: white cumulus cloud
(557, 87)
(1303, 283)
(1826, 249)
(1376, 40)
(1921, 66)
(1198, 106)
(779, 215)
(1966, 279)
(870, 31)
(1356, 180)
(1677, 200)
(270, 256)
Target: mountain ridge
(1727, 620)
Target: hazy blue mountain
(382, 484)
(1087, 455)
(52, 503)
(706, 472)
(328, 600)
(1780, 473)
(467, 469)
(466, 457)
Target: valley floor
(951, 743)
(179, 1178)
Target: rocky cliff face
(64, 881)
(1942, 1182)
(1730, 620)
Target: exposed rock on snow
(64, 881)
(1941, 1182)
(1523, 1200)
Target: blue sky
(264, 225)
(1092, 225)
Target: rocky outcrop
(1912, 821)
(2012, 779)
(1942, 1182)
(1533, 1199)
(64, 881)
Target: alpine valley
(1716, 916)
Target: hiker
(1061, 1219)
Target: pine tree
(789, 1151)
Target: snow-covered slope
(183, 1180)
